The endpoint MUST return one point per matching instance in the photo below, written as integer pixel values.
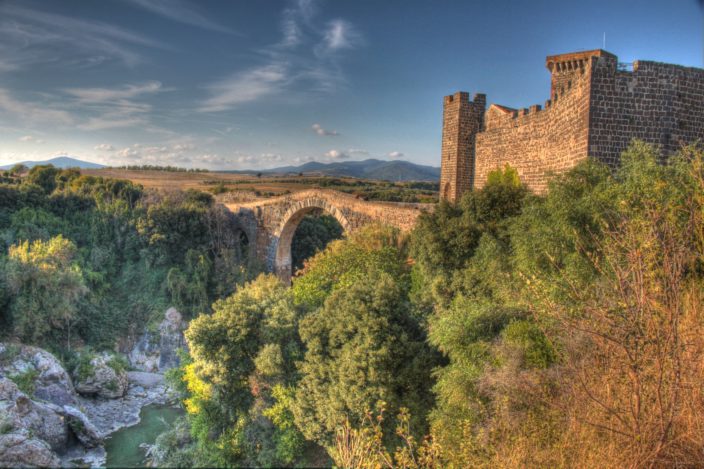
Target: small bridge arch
(290, 220)
(273, 221)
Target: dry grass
(165, 180)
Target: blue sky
(264, 83)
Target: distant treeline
(412, 191)
(169, 169)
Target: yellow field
(204, 181)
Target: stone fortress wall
(596, 107)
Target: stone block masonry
(271, 224)
(596, 108)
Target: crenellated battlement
(596, 107)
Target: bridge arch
(287, 228)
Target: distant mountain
(62, 162)
(367, 169)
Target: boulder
(85, 431)
(50, 381)
(23, 450)
(157, 351)
(42, 420)
(104, 377)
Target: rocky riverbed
(51, 418)
(109, 416)
(48, 423)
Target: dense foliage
(313, 233)
(508, 330)
(274, 370)
(570, 324)
(572, 321)
(88, 260)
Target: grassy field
(248, 187)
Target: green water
(122, 447)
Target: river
(123, 446)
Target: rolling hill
(367, 169)
(58, 162)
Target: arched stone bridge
(271, 223)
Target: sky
(254, 84)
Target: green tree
(444, 240)
(47, 286)
(241, 353)
(362, 346)
(43, 176)
(18, 169)
(344, 263)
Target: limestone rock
(22, 450)
(171, 339)
(157, 351)
(85, 431)
(103, 379)
(44, 421)
(51, 382)
(145, 353)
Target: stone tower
(597, 106)
(462, 119)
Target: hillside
(61, 162)
(367, 169)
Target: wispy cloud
(104, 147)
(338, 34)
(114, 95)
(305, 59)
(181, 12)
(32, 112)
(112, 121)
(246, 86)
(395, 154)
(115, 107)
(318, 129)
(29, 36)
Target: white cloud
(291, 27)
(118, 95)
(112, 122)
(271, 157)
(30, 139)
(104, 147)
(115, 107)
(33, 36)
(336, 155)
(302, 159)
(174, 153)
(291, 63)
(339, 34)
(357, 151)
(181, 12)
(32, 112)
(395, 154)
(245, 87)
(318, 129)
